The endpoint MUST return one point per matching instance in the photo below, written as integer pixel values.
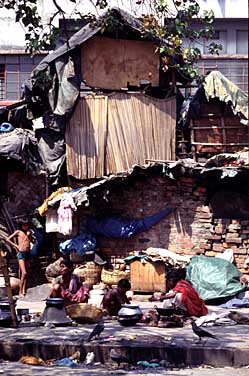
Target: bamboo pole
(4, 268)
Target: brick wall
(189, 230)
(25, 193)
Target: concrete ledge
(178, 346)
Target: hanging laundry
(65, 214)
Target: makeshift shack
(112, 92)
(215, 119)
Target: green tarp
(213, 277)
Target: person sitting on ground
(114, 298)
(23, 251)
(68, 286)
(181, 294)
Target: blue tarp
(80, 244)
(119, 228)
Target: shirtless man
(23, 252)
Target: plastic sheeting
(120, 228)
(80, 244)
(214, 277)
(52, 150)
(218, 86)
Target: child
(68, 286)
(23, 251)
(114, 298)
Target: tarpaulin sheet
(80, 244)
(214, 277)
(218, 86)
(120, 228)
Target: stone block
(244, 222)
(233, 240)
(218, 230)
(210, 253)
(231, 235)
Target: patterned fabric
(74, 293)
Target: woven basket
(111, 277)
(84, 313)
(89, 273)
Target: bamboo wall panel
(86, 138)
(111, 133)
(139, 128)
(112, 63)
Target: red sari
(195, 306)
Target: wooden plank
(219, 144)
(220, 127)
(5, 271)
(111, 63)
(148, 277)
(224, 141)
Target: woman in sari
(68, 286)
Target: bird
(200, 332)
(97, 330)
(118, 358)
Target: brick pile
(190, 230)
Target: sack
(53, 270)
(112, 277)
(89, 273)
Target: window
(219, 37)
(242, 42)
(2, 81)
(236, 70)
(14, 70)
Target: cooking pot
(168, 311)
(58, 302)
(129, 321)
(128, 310)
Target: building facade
(232, 61)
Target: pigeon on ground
(118, 358)
(98, 329)
(200, 332)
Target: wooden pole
(4, 268)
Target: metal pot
(58, 302)
(128, 310)
(128, 321)
(167, 311)
(55, 313)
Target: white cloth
(65, 214)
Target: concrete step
(176, 345)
